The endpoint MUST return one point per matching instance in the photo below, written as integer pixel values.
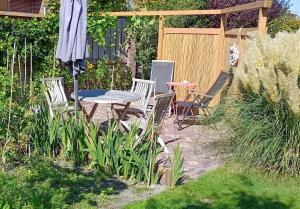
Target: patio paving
(200, 147)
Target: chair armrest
(200, 94)
(206, 95)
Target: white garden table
(107, 97)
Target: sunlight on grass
(45, 185)
(230, 187)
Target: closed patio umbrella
(71, 47)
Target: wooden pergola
(200, 54)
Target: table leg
(122, 116)
(124, 113)
(90, 116)
(170, 108)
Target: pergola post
(160, 37)
(4, 5)
(262, 21)
(263, 18)
(222, 43)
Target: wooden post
(221, 53)
(160, 37)
(262, 21)
(4, 5)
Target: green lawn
(44, 185)
(230, 187)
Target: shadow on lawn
(243, 201)
(85, 183)
(234, 197)
(51, 186)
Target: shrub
(265, 119)
(102, 74)
(245, 18)
(175, 5)
(288, 22)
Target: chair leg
(138, 140)
(163, 145)
(207, 114)
(125, 124)
(176, 114)
(184, 116)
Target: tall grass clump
(265, 116)
(115, 153)
(177, 172)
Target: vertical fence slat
(114, 48)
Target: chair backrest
(55, 93)
(161, 107)
(162, 72)
(215, 88)
(144, 89)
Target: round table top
(183, 84)
(102, 96)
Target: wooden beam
(249, 6)
(163, 13)
(208, 31)
(20, 14)
(268, 3)
(160, 44)
(262, 21)
(240, 31)
(254, 5)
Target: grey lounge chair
(155, 118)
(200, 100)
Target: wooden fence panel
(115, 44)
(195, 59)
(197, 53)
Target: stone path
(199, 143)
(199, 147)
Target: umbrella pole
(76, 94)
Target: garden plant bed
(42, 184)
(200, 144)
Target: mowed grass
(230, 187)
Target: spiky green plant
(177, 171)
(115, 153)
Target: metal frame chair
(155, 118)
(55, 95)
(200, 100)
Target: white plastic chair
(144, 89)
(55, 95)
